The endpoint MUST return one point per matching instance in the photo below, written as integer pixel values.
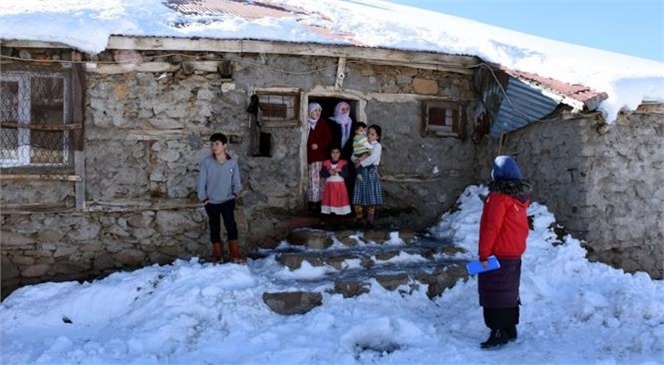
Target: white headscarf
(343, 119)
(312, 107)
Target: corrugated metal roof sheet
(590, 98)
(521, 105)
(511, 103)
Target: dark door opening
(328, 104)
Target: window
(272, 108)
(279, 109)
(34, 111)
(443, 118)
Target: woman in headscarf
(318, 144)
(342, 129)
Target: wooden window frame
(25, 125)
(453, 122)
(72, 127)
(285, 100)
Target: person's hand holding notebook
(475, 267)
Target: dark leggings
(501, 318)
(225, 210)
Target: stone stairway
(352, 259)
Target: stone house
(100, 152)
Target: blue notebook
(475, 267)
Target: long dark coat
(346, 149)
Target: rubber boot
(512, 333)
(217, 253)
(234, 248)
(497, 338)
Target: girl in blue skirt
(368, 192)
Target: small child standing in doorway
(335, 196)
(361, 145)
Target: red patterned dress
(335, 196)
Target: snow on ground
(574, 312)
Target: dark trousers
(501, 318)
(225, 210)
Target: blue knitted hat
(505, 168)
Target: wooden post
(79, 170)
(341, 74)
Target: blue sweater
(218, 183)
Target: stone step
(367, 255)
(322, 239)
(353, 285)
(389, 275)
(356, 258)
(315, 238)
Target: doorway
(328, 104)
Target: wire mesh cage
(37, 132)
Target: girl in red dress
(335, 196)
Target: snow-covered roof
(88, 25)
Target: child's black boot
(497, 338)
(511, 333)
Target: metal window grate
(36, 122)
(279, 107)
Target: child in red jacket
(503, 233)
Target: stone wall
(147, 125)
(79, 245)
(602, 182)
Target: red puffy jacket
(503, 227)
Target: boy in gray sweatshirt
(218, 185)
